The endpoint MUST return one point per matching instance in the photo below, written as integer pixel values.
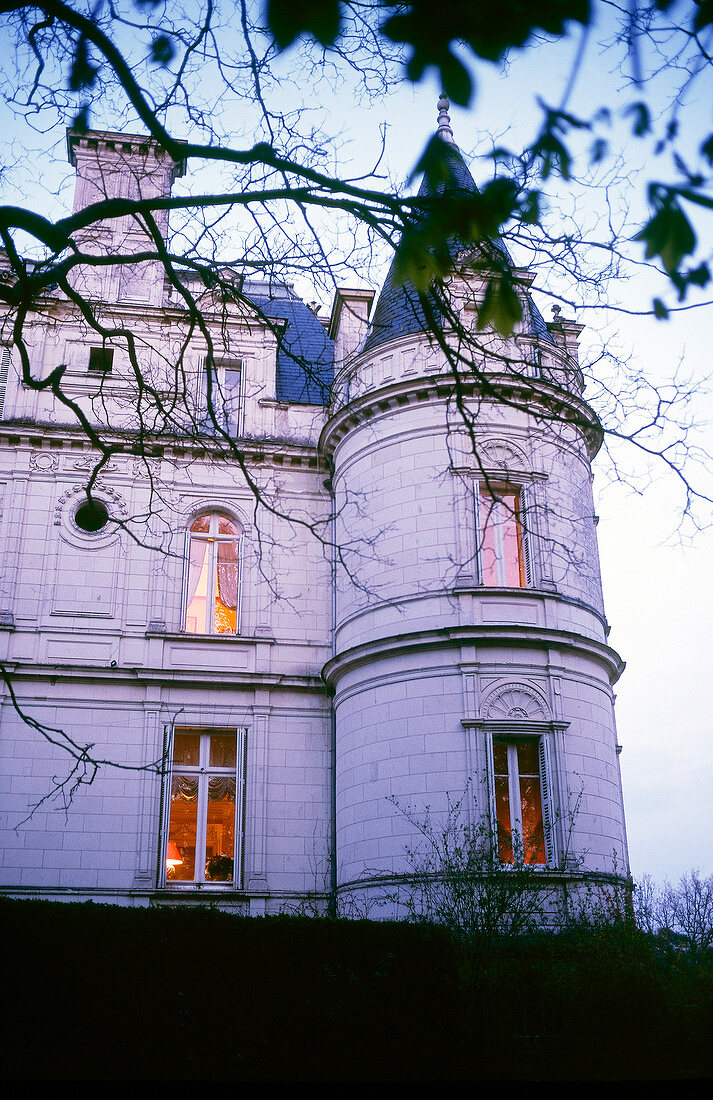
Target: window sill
(184, 636)
(202, 888)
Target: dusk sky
(657, 586)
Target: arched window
(213, 576)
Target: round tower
(471, 667)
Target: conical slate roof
(398, 310)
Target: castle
(321, 584)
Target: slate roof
(305, 356)
(398, 311)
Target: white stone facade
(382, 672)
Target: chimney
(120, 166)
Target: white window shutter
(490, 777)
(478, 534)
(5, 353)
(202, 421)
(526, 525)
(239, 597)
(242, 753)
(186, 570)
(546, 790)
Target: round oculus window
(91, 516)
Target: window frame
(203, 771)
(217, 366)
(512, 738)
(215, 515)
(489, 487)
(105, 355)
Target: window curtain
(197, 554)
(228, 574)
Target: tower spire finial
(444, 130)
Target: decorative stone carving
(141, 467)
(501, 454)
(44, 460)
(90, 461)
(519, 702)
(117, 509)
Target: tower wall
(432, 664)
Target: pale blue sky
(658, 593)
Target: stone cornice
(228, 680)
(504, 635)
(53, 438)
(523, 394)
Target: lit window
(521, 816)
(101, 359)
(204, 840)
(503, 549)
(213, 576)
(223, 394)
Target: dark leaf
(162, 50)
(80, 122)
(600, 148)
(642, 119)
(497, 201)
(289, 19)
(704, 15)
(603, 115)
(668, 234)
(416, 263)
(501, 308)
(435, 163)
(489, 32)
(456, 81)
(501, 155)
(681, 165)
(415, 68)
(553, 154)
(83, 73)
(707, 150)
(699, 276)
(530, 208)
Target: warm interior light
(173, 856)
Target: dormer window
(222, 388)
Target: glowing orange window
(205, 801)
(213, 582)
(518, 800)
(502, 546)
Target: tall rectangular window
(222, 389)
(502, 544)
(204, 842)
(520, 817)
